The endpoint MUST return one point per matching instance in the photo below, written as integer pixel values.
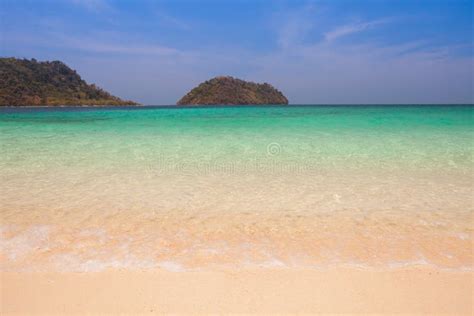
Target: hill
(232, 91)
(29, 82)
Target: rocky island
(26, 82)
(232, 91)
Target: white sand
(283, 291)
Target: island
(25, 82)
(232, 91)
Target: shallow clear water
(185, 188)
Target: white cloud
(100, 42)
(292, 26)
(98, 46)
(372, 73)
(352, 28)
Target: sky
(315, 52)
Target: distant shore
(237, 105)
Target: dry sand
(263, 291)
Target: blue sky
(373, 51)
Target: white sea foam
(24, 243)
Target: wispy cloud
(373, 73)
(97, 46)
(293, 25)
(171, 21)
(93, 5)
(100, 42)
(353, 28)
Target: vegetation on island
(232, 91)
(26, 82)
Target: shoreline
(242, 105)
(261, 290)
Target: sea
(196, 188)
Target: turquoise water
(182, 188)
(314, 136)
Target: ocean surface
(87, 189)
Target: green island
(232, 91)
(26, 82)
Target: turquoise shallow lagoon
(182, 188)
(316, 136)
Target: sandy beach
(263, 291)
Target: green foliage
(29, 82)
(228, 90)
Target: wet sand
(339, 290)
